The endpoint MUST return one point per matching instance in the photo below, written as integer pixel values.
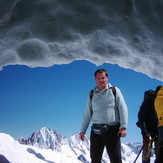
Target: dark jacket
(147, 118)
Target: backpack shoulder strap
(91, 95)
(114, 91)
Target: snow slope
(47, 146)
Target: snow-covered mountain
(47, 146)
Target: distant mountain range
(49, 146)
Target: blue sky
(55, 97)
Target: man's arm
(86, 119)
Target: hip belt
(101, 129)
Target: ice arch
(48, 32)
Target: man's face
(101, 80)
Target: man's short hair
(101, 71)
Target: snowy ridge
(49, 146)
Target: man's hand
(122, 132)
(81, 135)
(147, 134)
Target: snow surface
(69, 150)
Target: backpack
(158, 103)
(147, 117)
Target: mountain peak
(44, 138)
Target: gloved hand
(147, 141)
(146, 135)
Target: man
(108, 112)
(148, 122)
